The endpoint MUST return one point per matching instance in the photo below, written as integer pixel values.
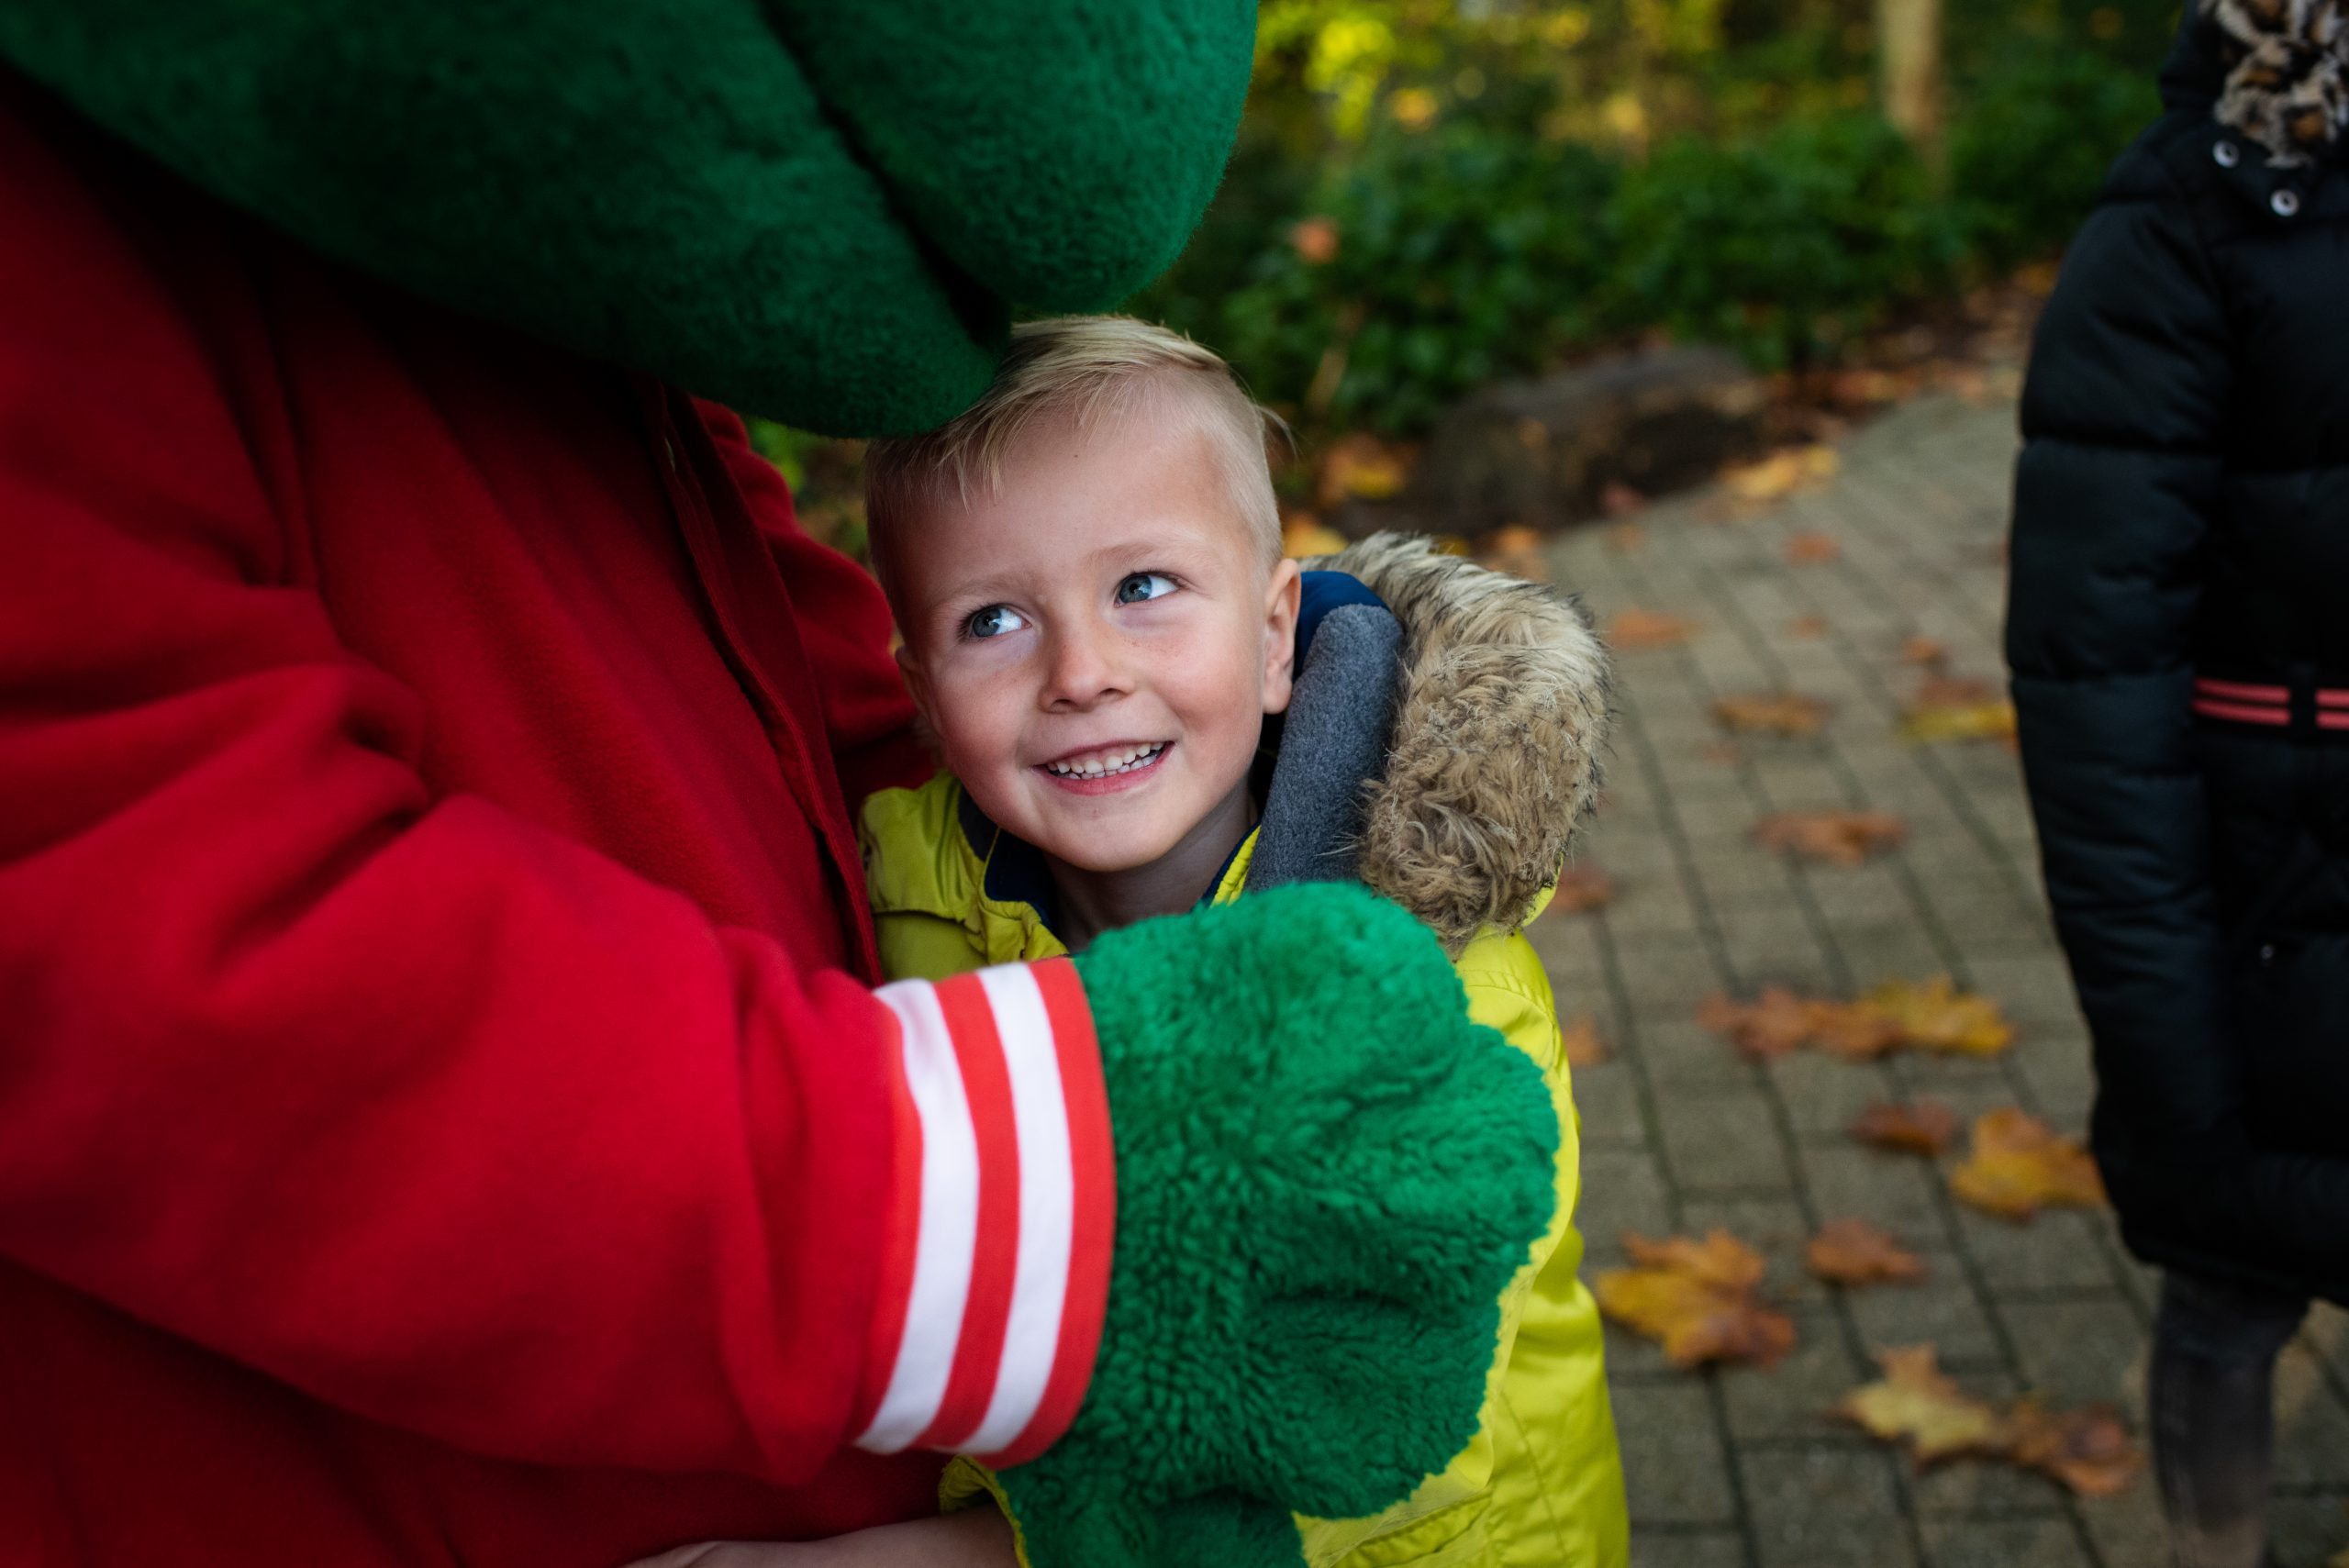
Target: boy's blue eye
(1143, 587)
(993, 621)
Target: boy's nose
(1085, 667)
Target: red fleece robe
(443, 1115)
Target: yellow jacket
(1540, 1483)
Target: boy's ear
(1280, 635)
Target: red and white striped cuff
(998, 1273)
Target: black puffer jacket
(2178, 631)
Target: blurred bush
(2031, 143)
(1429, 193)
(1781, 245)
(1426, 265)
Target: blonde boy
(1100, 629)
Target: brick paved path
(1739, 1468)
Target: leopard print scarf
(2287, 73)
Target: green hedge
(2029, 152)
(1781, 245)
(1480, 247)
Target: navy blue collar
(1012, 870)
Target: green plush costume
(826, 213)
(820, 212)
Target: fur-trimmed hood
(2277, 71)
(1494, 761)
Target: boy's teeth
(1107, 762)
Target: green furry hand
(1326, 1177)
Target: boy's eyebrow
(1137, 544)
(992, 582)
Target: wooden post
(1909, 58)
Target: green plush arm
(1326, 1174)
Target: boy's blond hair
(1089, 369)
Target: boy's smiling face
(1098, 639)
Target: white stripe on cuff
(949, 1224)
(1047, 1200)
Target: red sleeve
(844, 623)
(404, 1100)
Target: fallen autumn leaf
(2017, 1165)
(1517, 550)
(1581, 1045)
(1361, 465)
(1699, 1300)
(1772, 713)
(1915, 1402)
(1925, 651)
(1581, 888)
(1925, 1126)
(1958, 708)
(1773, 1025)
(1617, 499)
(1839, 837)
(1852, 1251)
(1781, 473)
(2087, 1450)
(1936, 1015)
(1637, 628)
(1303, 535)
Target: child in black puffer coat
(2178, 631)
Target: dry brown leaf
(2017, 1166)
(1581, 888)
(1806, 629)
(1635, 627)
(1952, 691)
(1304, 535)
(1958, 708)
(1855, 1031)
(1936, 1015)
(1863, 386)
(1811, 549)
(1781, 473)
(2087, 1450)
(1517, 550)
(1617, 499)
(1359, 465)
(1916, 1402)
(1973, 721)
(1772, 713)
(1924, 650)
(1771, 1026)
(1699, 1299)
(1852, 1251)
(1840, 838)
(1583, 1046)
(1925, 1126)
